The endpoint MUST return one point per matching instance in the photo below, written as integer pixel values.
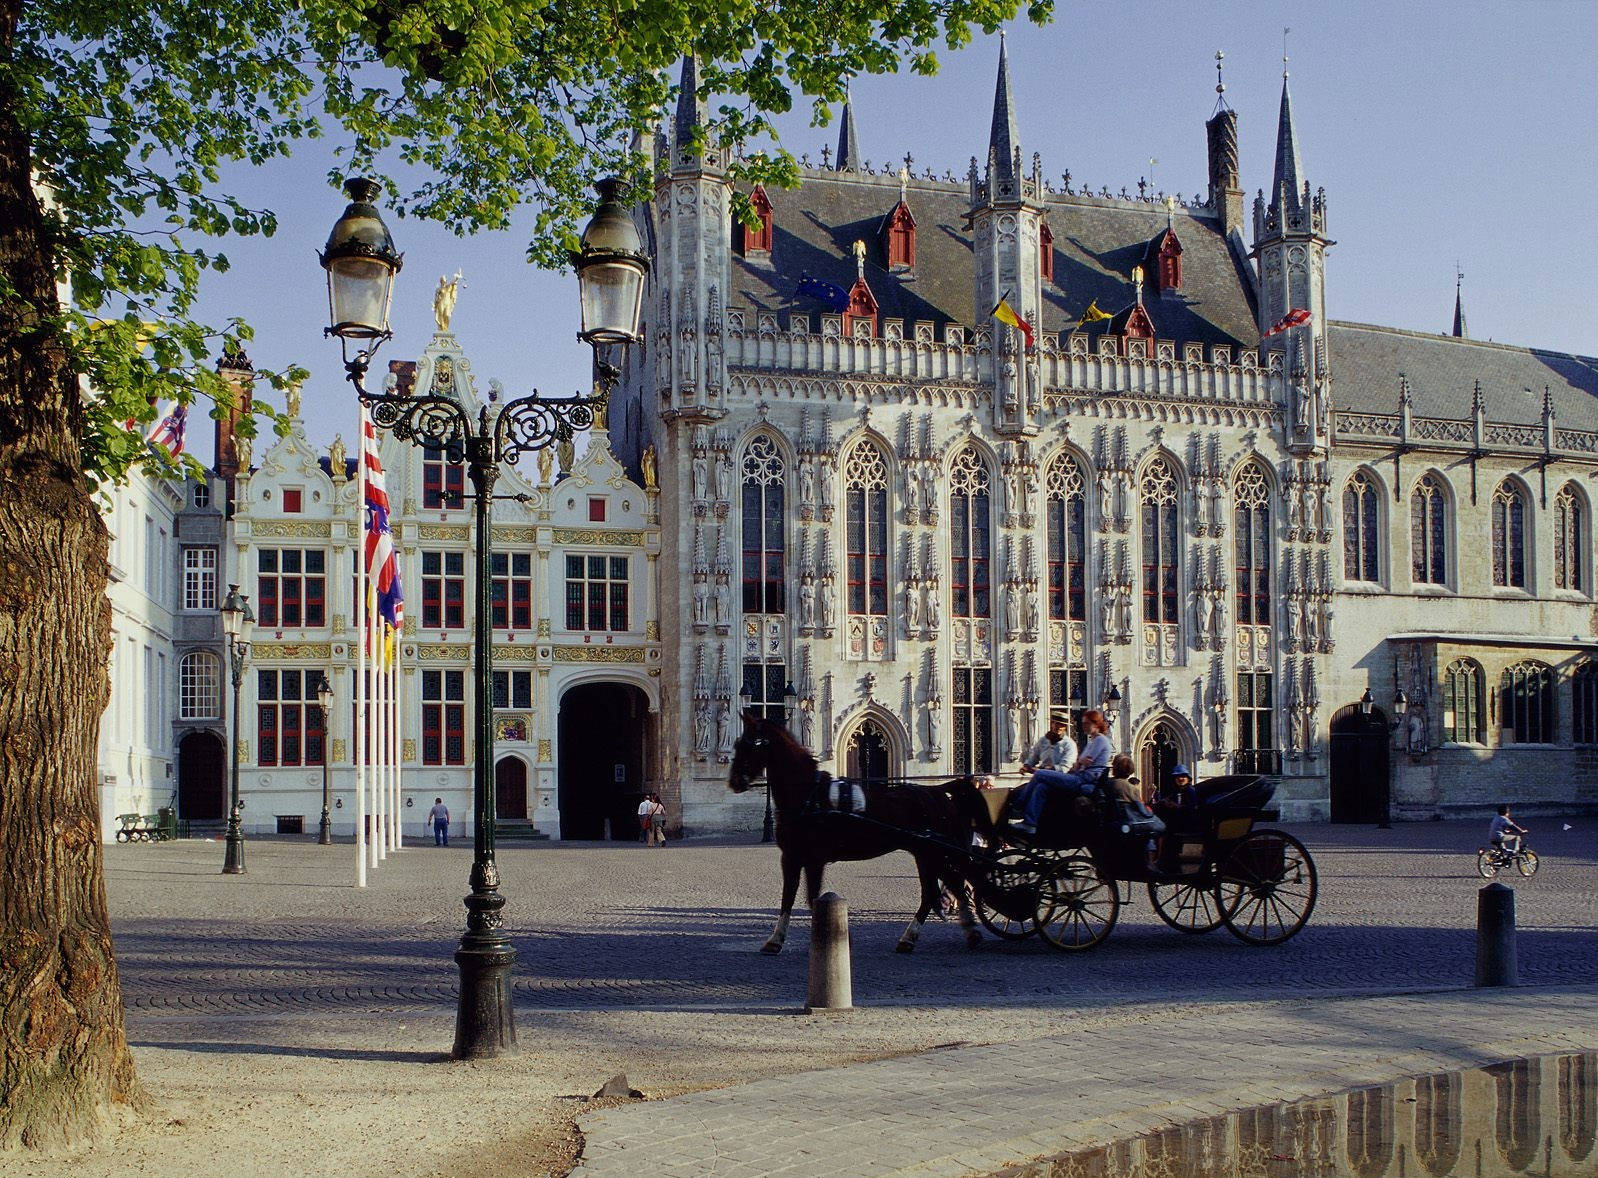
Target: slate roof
(1443, 370)
(1096, 242)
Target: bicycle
(1491, 860)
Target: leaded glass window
(1361, 556)
(1159, 497)
(1584, 703)
(1462, 703)
(763, 533)
(1427, 536)
(970, 545)
(1251, 506)
(1256, 744)
(866, 526)
(1509, 536)
(1569, 541)
(973, 719)
(1066, 523)
(1526, 703)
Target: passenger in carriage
(1086, 772)
(1137, 820)
(1054, 749)
(1182, 795)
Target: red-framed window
(1046, 252)
(443, 717)
(291, 587)
(293, 501)
(443, 590)
(513, 590)
(901, 238)
(443, 482)
(757, 239)
(596, 593)
(289, 726)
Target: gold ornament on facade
(444, 300)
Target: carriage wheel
(1077, 907)
(1487, 863)
(1527, 863)
(1267, 887)
(1007, 895)
(1189, 907)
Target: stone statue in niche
(807, 602)
(724, 478)
(824, 487)
(723, 602)
(929, 490)
(1029, 609)
(912, 606)
(807, 481)
(1106, 498)
(912, 493)
(1415, 729)
(807, 728)
(827, 603)
(700, 475)
(1107, 609)
(934, 727)
(1206, 611)
(702, 729)
(929, 603)
(724, 730)
(1012, 610)
(1012, 732)
(701, 604)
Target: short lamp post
(237, 619)
(324, 700)
(361, 262)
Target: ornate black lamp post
(324, 700)
(361, 263)
(237, 618)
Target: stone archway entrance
(510, 789)
(601, 760)
(1163, 744)
(868, 753)
(202, 777)
(1359, 766)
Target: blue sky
(1441, 132)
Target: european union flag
(828, 292)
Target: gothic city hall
(911, 458)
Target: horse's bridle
(740, 782)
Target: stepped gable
(1443, 370)
(1096, 243)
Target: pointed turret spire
(848, 139)
(1459, 306)
(1289, 171)
(690, 118)
(1003, 140)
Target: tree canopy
(471, 109)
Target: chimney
(235, 368)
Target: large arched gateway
(601, 760)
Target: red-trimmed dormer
(862, 306)
(756, 240)
(898, 235)
(1163, 260)
(1045, 251)
(1134, 321)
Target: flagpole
(380, 755)
(388, 733)
(394, 735)
(374, 850)
(360, 656)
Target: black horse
(811, 834)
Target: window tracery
(970, 515)
(1526, 703)
(865, 475)
(1158, 492)
(1428, 537)
(1066, 525)
(1569, 541)
(1462, 703)
(1361, 552)
(764, 538)
(1509, 536)
(1251, 505)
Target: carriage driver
(1054, 749)
(1085, 772)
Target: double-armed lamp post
(361, 262)
(237, 620)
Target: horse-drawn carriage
(1217, 864)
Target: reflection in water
(1526, 1117)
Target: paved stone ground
(257, 967)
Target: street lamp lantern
(1367, 704)
(746, 698)
(611, 265)
(324, 694)
(790, 698)
(1400, 704)
(237, 620)
(324, 699)
(1112, 703)
(361, 261)
(237, 616)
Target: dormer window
(862, 309)
(899, 238)
(757, 239)
(1163, 259)
(1046, 252)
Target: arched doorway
(202, 775)
(1359, 766)
(510, 790)
(601, 760)
(1164, 744)
(868, 754)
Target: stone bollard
(831, 987)
(1495, 937)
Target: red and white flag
(1292, 319)
(169, 430)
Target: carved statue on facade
(824, 491)
(444, 300)
(723, 602)
(648, 463)
(724, 730)
(935, 726)
(929, 603)
(1106, 499)
(1012, 732)
(700, 475)
(1012, 610)
(807, 602)
(912, 493)
(807, 481)
(701, 603)
(724, 478)
(702, 729)
(338, 459)
(827, 603)
(565, 455)
(1029, 609)
(546, 466)
(912, 606)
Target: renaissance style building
(1355, 558)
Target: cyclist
(1503, 832)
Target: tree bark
(65, 1068)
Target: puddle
(1528, 1116)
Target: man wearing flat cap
(1054, 749)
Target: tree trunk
(65, 1068)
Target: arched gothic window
(1509, 536)
(1066, 523)
(199, 686)
(1462, 703)
(865, 477)
(1251, 505)
(970, 545)
(1159, 542)
(1428, 536)
(1360, 547)
(1584, 703)
(1526, 703)
(1570, 541)
(764, 508)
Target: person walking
(657, 821)
(646, 807)
(438, 819)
